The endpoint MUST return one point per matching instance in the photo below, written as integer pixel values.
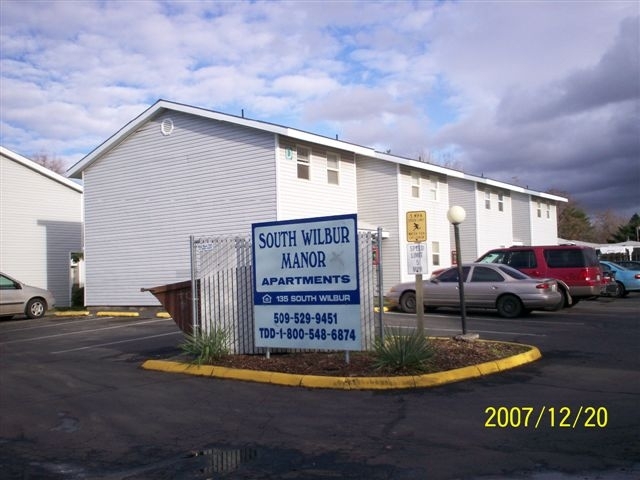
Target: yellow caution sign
(417, 226)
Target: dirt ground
(448, 354)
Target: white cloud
(545, 92)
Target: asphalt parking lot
(75, 404)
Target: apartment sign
(306, 290)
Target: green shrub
(207, 347)
(402, 353)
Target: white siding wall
(315, 197)
(495, 227)
(147, 195)
(544, 222)
(521, 215)
(437, 224)
(41, 224)
(378, 207)
(464, 193)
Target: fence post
(380, 291)
(194, 289)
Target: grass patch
(402, 353)
(207, 347)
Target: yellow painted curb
(349, 383)
(163, 315)
(72, 313)
(117, 314)
(377, 309)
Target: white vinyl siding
(378, 207)
(436, 210)
(544, 227)
(146, 196)
(521, 220)
(464, 193)
(300, 198)
(494, 225)
(41, 224)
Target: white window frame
(433, 188)
(415, 184)
(435, 253)
(333, 168)
(500, 202)
(539, 209)
(548, 210)
(303, 162)
(487, 199)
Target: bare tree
(606, 225)
(52, 163)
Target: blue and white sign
(306, 289)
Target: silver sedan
(16, 298)
(493, 286)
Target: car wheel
(408, 302)
(36, 307)
(567, 301)
(617, 290)
(621, 291)
(509, 306)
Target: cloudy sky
(544, 94)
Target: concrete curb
(86, 313)
(117, 314)
(348, 383)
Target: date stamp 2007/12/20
(539, 417)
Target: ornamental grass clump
(402, 353)
(207, 347)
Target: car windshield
(513, 273)
(492, 257)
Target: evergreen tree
(630, 231)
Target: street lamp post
(456, 216)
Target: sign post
(417, 234)
(306, 283)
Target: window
(539, 210)
(6, 283)
(435, 253)
(415, 184)
(333, 169)
(451, 275)
(487, 199)
(500, 202)
(521, 259)
(486, 274)
(433, 188)
(548, 211)
(303, 156)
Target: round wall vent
(166, 127)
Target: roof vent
(166, 127)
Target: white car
(486, 285)
(16, 298)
